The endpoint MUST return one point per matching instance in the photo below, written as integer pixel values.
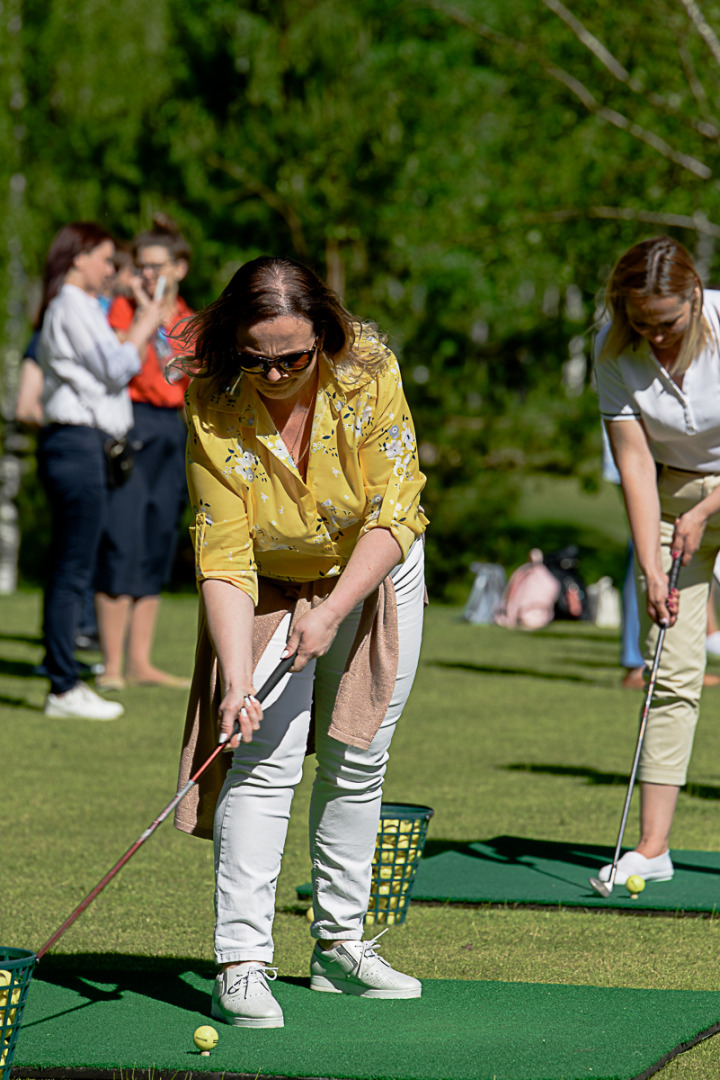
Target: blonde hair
(660, 267)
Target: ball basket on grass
(16, 968)
(400, 841)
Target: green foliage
(465, 176)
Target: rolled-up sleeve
(389, 463)
(220, 533)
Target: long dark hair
(269, 287)
(72, 240)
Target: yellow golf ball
(635, 884)
(205, 1037)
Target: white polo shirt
(682, 425)
(86, 367)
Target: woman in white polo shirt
(658, 379)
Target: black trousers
(72, 469)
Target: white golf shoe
(241, 997)
(354, 967)
(658, 869)
(81, 703)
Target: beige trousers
(676, 701)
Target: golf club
(604, 888)
(269, 685)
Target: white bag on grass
(486, 594)
(604, 604)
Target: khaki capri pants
(676, 702)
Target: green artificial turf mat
(517, 870)
(514, 869)
(458, 1030)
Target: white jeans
(254, 807)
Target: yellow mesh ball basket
(400, 841)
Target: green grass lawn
(505, 733)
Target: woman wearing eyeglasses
(658, 378)
(304, 477)
(144, 513)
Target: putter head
(604, 888)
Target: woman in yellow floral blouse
(303, 473)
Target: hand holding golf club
(240, 716)
(662, 596)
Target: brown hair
(267, 288)
(72, 240)
(165, 233)
(660, 267)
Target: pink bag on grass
(530, 596)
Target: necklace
(300, 440)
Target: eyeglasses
(152, 268)
(287, 362)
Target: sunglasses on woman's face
(286, 362)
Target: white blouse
(86, 367)
(682, 425)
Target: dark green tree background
(464, 174)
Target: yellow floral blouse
(254, 514)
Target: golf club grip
(274, 677)
(269, 685)
(674, 571)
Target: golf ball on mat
(635, 884)
(205, 1037)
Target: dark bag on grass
(572, 601)
(119, 461)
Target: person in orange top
(145, 511)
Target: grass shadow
(25, 639)
(530, 673)
(710, 792)
(18, 669)
(572, 634)
(19, 703)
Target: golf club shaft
(672, 582)
(273, 679)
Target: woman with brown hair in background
(87, 411)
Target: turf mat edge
(457, 1031)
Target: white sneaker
(241, 997)
(659, 868)
(83, 703)
(355, 968)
